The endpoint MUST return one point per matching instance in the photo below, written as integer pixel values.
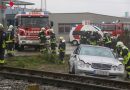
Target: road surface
(31, 51)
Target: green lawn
(39, 62)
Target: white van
(76, 31)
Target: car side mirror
(120, 59)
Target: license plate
(100, 72)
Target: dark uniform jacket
(42, 36)
(2, 39)
(9, 35)
(62, 46)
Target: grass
(39, 62)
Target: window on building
(126, 27)
(65, 27)
(61, 29)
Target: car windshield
(96, 51)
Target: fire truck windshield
(33, 21)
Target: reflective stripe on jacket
(108, 40)
(126, 58)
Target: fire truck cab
(28, 26)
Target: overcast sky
(106, 7)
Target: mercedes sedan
(96, 61)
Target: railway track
(63, 80)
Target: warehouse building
(63, 22)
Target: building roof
(17, 2)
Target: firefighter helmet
(51, 30)
(61, 38)
(121, 44)
(43, 29)
(1, 26)
(10, 28)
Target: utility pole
(45, 6)
(41, 5)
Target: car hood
(97, 59)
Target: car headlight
(114, 68)
(120, 67)
(81, 64)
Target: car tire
(75, 42)
(37, 48)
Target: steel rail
(120, 85)
(73, 85)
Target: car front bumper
(92, 73)
(29, 42)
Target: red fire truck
(114, 28)
(28, 27)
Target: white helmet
(1, 26)
(10, 28)
(51, 30)
(61, 38)
(43, 29)
(121, 44)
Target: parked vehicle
(95, 61)
(114, 29)
(28, 27)
(79, 29)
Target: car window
(96, 51)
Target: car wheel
(75, 42)
(36, 48)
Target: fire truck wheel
(36, 48)
(21, 48)
(16, 46)
(75, 42)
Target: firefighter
(62, 48)
(97, 37)
(92, 39)
(118, 48)
(126, 55)
(107, 40)
(83, 38)
(53, 41)
(2, 44)
(88, 35)
(10, 41)
(43, 39)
